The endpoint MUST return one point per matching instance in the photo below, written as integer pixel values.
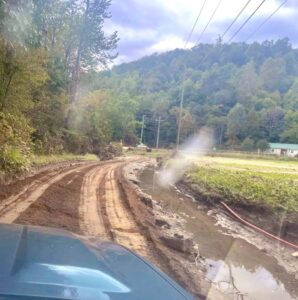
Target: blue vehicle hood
(42, 263)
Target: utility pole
(142, 131)
(180, 116)
(158, 132)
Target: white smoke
(196, 146)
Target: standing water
(233, 264)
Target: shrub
(262, 145)
(12, 161)
(77, 143)
(15, 141)
(248, 144)
(48, 145)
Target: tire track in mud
(91, 221)
(104, 212)
(12, 207)
(123, 227)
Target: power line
(237, 17)
(246, 21)
(266, 20)
(195, 24)
(183, 77)
(213, 14)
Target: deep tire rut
(12, 207)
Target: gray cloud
(148, 26)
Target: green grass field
(271, 183)
(245, 178)
(153, 154)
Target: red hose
(257, 228)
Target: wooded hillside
(247, 93)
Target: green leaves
(15, 142)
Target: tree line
(47, 48)
(248, 93)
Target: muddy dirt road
(84, 198)
(92, 199)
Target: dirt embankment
(165, 230)
(281, 223)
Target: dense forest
(248, 93)
(46, 49)
(57, 93)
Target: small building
(290, 150)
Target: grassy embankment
(48, 159)
(164, 153)
(42, 160)
(259, 180)
(271, 183)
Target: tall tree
(273, 75)
(93, 49)
(273, 123)
(236, 123)
(247, 83)
(290, 132)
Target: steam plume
(194, 147)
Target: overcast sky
(148, 26)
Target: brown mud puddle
(234, 265)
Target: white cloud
(167, 43)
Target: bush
(12, 161)
(109, 152)
(263, 145)
(248, 144)
(15, 142)
(76, 143)
(48, 145)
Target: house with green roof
(283, 149)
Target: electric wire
(183, 76)
(209, 21)
(195, 24)
(186, 43)
(246, 21)
(266, 20)
(237, 17)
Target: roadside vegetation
(264, 183)
(48, 159)
(49, 50)
(251, 155)
(164, 153)
(40, 160)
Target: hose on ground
(258, 228)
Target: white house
(283, 149)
